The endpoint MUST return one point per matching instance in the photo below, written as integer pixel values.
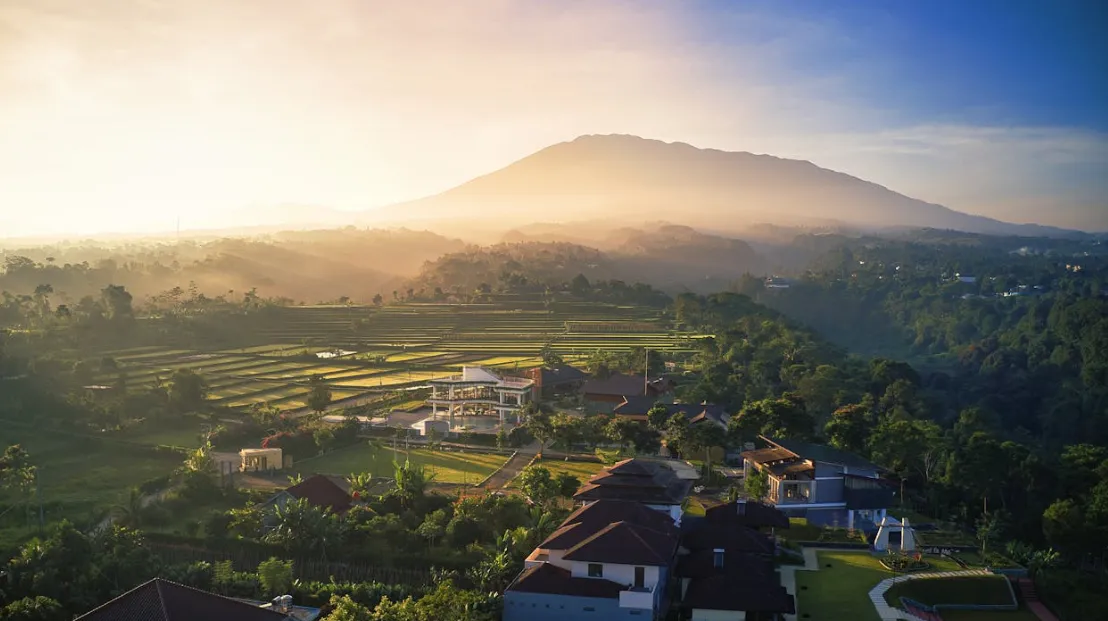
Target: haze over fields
(132, 116)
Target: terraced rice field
(418, 341)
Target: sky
(129, 115)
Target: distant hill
(629, 180)
(674, 258)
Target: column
(850, 519)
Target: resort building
(827, 486)
(636, 408)
(478, 391)
(602, 395)
(650, 483)
(609, 559)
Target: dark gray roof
(564, 374)
(616, 384)
(695, 412)
(825, 454)
(162, 600)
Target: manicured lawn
(446, 466)
(981, 590)
(842, 590)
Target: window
(596, 570)
(640, 577)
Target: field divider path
(504, 475)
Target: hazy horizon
(126, 116)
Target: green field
(580, 469)
(446, 466)
(78, 476)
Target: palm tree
(410, 482)
(303, 528)
(360, 484)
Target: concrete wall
(520, 606)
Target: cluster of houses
(628, 552)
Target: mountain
(627, 181)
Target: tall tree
(319, 396)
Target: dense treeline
(305, 266)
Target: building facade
(827, 486)
(478, 391)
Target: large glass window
(596, 570)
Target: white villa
(479, 391)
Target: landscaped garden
(840, 588)
(979, 590)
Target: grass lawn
(184, 433)
(446, 466)
(842, 590)
(580, 469)
(980, 590)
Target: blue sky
(127, 114)
(982, 61)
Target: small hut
(254, 460)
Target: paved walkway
(890, 613)
(508, 471)
(1031, 599)
(788, 577)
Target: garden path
(788, 577)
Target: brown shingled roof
(752, 514)
(590, 518)
(322, 492)
(162, 600)
(624, 543)
(553, 580)
(724, 592)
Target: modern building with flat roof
(479, 391)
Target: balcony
(637, 597)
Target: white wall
(621, 574)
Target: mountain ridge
(636, 180)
